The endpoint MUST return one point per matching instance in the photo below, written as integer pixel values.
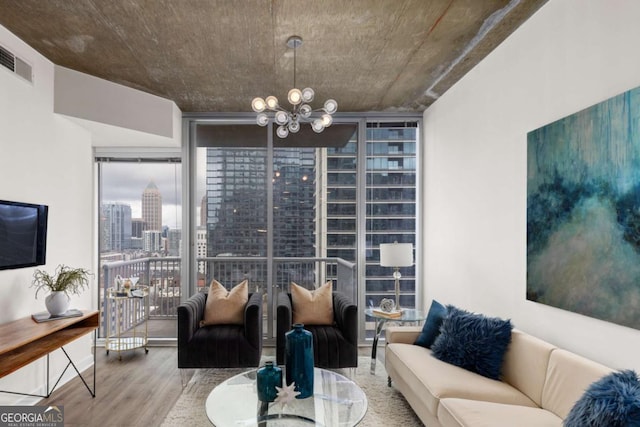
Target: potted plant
(61, 284)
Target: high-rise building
(174, 242)
(203, 211)
(201, 246)
(152, 207)
(116, 227)
(137, 227)
(237, 202)
(151, 241)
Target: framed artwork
(583, 211)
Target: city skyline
(124, 182)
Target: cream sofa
(540, 383)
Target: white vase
(57, 303)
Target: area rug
(386, 406)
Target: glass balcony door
(140, 239)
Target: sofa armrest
(253, 320)
(402, 334)
(190, 313)
(283, 324)
(345, 314)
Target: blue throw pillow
(473, 342)
(431, 328)
(612, 401)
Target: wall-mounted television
(23, 234)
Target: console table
(25, 341)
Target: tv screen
(23, 234)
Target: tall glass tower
(116, 227)
(152, 207)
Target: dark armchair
(334, 346)
(219, 346)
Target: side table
(408, 315)
(127, 320)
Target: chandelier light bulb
(294, 96)
(317, 125)
(330, 106)
(272, 102)
(282, 131)
(305, 110)
(262, 119)
(294, 126)
(281, 117)
(258, 104)
(326, 120)
(307, 94)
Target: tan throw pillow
(225, 307)
(312, 307)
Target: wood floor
(138, 390)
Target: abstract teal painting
(583, 211)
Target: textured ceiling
(208, 55)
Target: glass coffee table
(336, 401)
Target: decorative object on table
(45, 316)
(268, 380)
(299, 359)
(124, 286)
(387, 305)
(396, 255)
(387, 309)
(61, 284)
(286, 394)
(289, 121)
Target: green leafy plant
(65, 279)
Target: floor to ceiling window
(140, 238)
(391, 207)
(316, 198)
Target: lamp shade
(396, 254)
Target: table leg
(374, 348)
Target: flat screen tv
(23, 234)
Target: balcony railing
(163, 276)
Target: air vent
(7, 59)
(15, 65)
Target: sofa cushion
(473, 341)
(613, 401)
(312, 307)
(225, 307)
(455, 412)
(429, 379)
(431, 328)
(568, 376)
(525, 364)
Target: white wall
(116, 115)
(570, 55)
(44, 158)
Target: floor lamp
(396, 255)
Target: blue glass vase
(299, 360)
(268, 378)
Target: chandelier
(300, 112)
